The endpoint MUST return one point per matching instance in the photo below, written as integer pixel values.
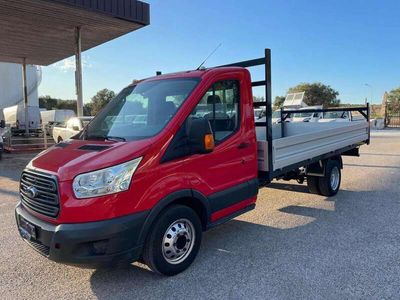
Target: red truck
(170, 157)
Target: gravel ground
(293, 245)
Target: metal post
(386, 115)
(25, 93)
(78, 71)
(282, 124)
(369, 125)
(44, 136)
(268, 110)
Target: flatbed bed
(285, 147)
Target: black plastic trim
(233, 195)
(189, 194)
(73, 243)
(90, 147)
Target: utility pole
(25, 93)
(372, 94)
(78, 71)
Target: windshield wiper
(106, 137)
(115, 138)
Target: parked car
(55, 117)
(307, 116)
(14, 117)
(258, 113)
(120, 192)
(336, 116)
(71, 128)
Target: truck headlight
(106, 181)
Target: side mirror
(2, 124)
(199, 132)
(75, 128)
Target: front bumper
(90, 244)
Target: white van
(15, 119)
(55, 117)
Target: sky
(353, 46)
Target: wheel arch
(339, 159)
(191, 198)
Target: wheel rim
(178, 241)
(335, 178)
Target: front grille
(43, 249)
(39, 193)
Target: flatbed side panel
(297, 148)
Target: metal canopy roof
(43, 31)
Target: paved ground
(294, 245)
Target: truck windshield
(140, 111)
(302, 115)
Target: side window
(78, 123)
(69, 123)
(220, 105)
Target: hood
(73, 157)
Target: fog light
(99, 247)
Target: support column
(25, 94)
(78, 71)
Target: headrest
(213, 99)
(169, 107)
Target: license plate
(27, 230)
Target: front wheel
(174, 241)
(329, 184)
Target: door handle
(243, 145)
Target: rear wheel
(174, 241)
(313, 185)
(329, 184)
(59, 140)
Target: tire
(329, 184)
(59, 140)
(313, 185)
(174, 241)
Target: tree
(101, 99)
(317, 94)
(278, 102)
(66, 104)
(47, 102)
(50, 103)
(97, 102)
(87, 109)
(394, 99)
(258, 99)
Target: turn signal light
(209, 142)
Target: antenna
(198, 68)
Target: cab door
(228, 175)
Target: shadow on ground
(243, 259)
(12, 165)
